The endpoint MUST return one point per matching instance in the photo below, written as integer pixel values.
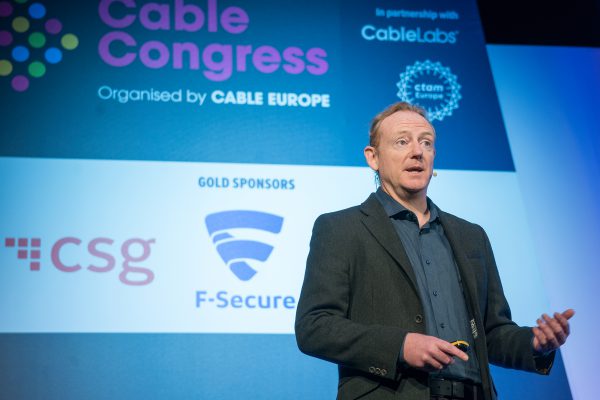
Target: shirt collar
(393, 208)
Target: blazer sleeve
(324, 327)
(508, 344)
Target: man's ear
(372, 157)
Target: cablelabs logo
(193, 23)
(406, 35)
(432, 86)
(30, 42)
(101, 254)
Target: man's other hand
(551, 333)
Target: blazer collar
(379, 225)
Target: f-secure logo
(236, 252)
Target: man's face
(405, 152)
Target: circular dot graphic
(53, 55)
(5, 9)
(69, 41)
(53, 26)
(20, 83)
(5, 67)
(20, 53)
(20, 24)
(37, 10)
(36, 69)
(37, 40)
(5, 38)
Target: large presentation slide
(163, 162)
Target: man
(391, 283)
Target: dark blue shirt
(432, 260)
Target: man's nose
(416, 151)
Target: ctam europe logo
(233, 234)
(432, 86)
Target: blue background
(361, 80)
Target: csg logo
(68, 253)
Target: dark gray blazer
(360, 299)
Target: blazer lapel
(467, 276)
(469, 285)
(377, 222)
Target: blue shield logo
(235, 252)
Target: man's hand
(430, 353)
(551, 333)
